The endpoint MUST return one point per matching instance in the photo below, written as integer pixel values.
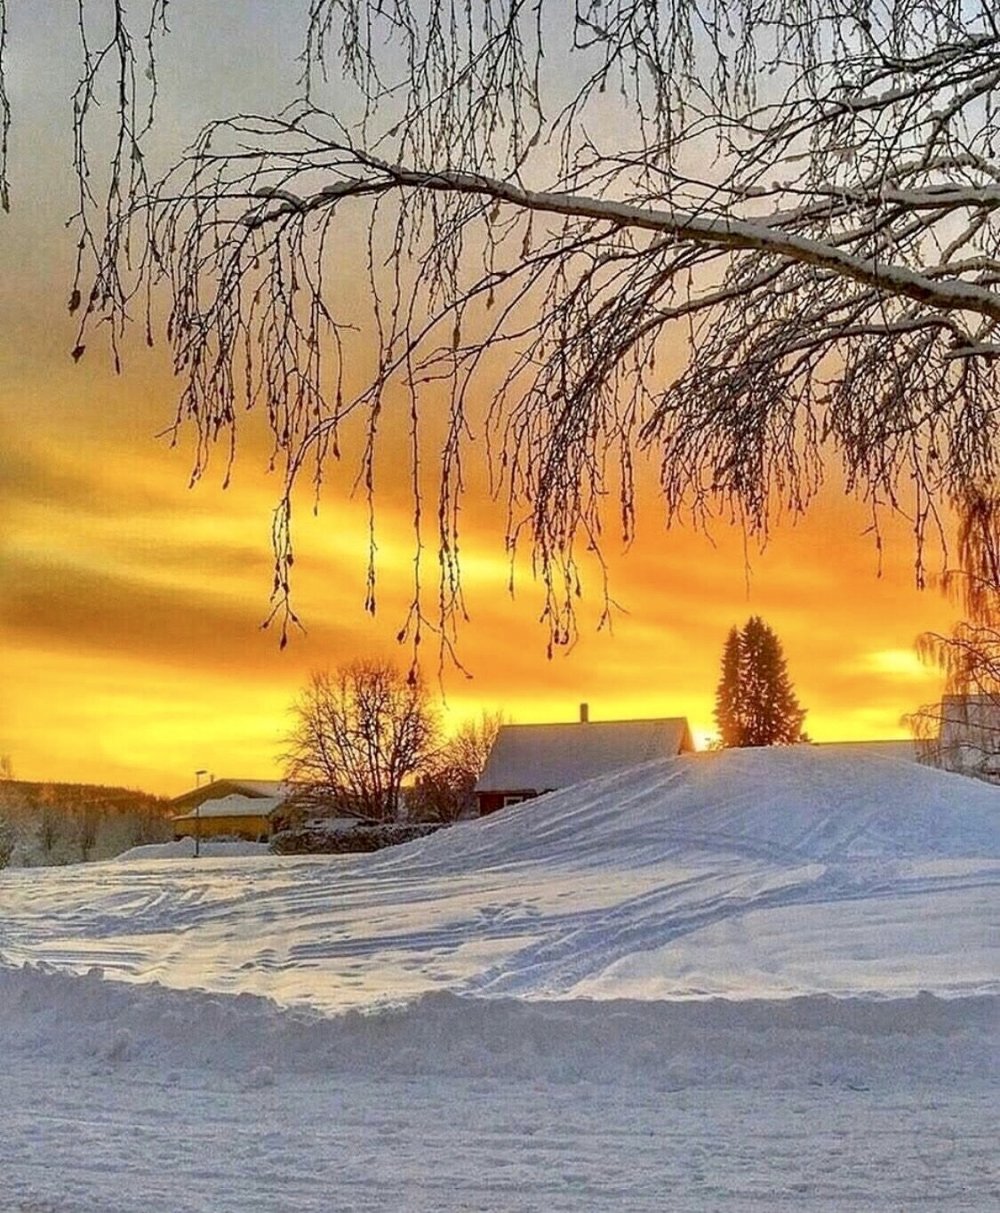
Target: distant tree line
(57, 823)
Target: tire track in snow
(551, 893)
(600, 938)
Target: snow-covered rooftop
(543, 757)
(262, 788)
(234, 806)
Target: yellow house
(232, 816)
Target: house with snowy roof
(231, 808)
(528, 760)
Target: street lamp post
(197, 815)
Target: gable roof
(542, 757)
(234, 806)
(265, 788)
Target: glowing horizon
(133, 608)
(131, 604)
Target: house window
(516, 798)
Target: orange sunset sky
(130, 604)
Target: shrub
(315, 839)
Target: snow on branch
(722, 232)
(740, 238)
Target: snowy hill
(801, 803)
(844, 908)
(748, 874)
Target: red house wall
(490, 802)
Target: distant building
(231, 808)
(968, 739)
(905, 749)
(528, 760)
(216, 788)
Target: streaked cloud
(901, 664)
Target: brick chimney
(584, 713)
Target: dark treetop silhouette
(755, 703)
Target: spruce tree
(756, 704)
(728, 707)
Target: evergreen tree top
(755, 702)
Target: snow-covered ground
(745, 980)
(185, 848)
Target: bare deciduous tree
(88, 826)
(962, 731)
(358, 733)
(737, 236)
(49, 828)
(7, 842)
(446, 790)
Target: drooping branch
(120, 72)
(723, 232)
(962, 730)
(4, 111)
(739, 236)
(799, 339)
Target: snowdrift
(758, 979)
(184, 848)
(793, 804)
(121, 1096)
(743, 875)
(810, 1041)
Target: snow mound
(183, 848)
(762, 874)
(322, 1036)
(789, 804)
(815, 1040)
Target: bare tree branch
(4, 112)
(742, 238)
(962, 731)
(357, 734)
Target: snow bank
(747, 874)
(818, 1040)
(786, 804)
(120, 1097)
(304, 1033)
(184, 848)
